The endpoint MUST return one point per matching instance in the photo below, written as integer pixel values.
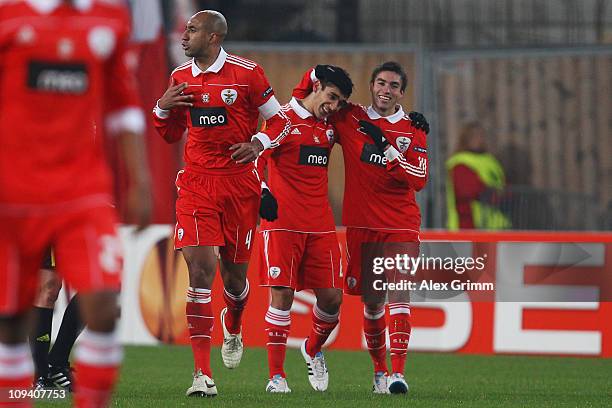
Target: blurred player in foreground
(218, 98)
(385, 159)
(62, 66)
(300, 249)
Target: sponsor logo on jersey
(403, 143)
(205, 97)
(229, 96)
(274, 272)
(267, 92)
(208, 117)
(56, 77)
(296, 131)
(372, 155)
(419, 149)
(314, 156)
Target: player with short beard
(385, 161)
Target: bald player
(217, 98)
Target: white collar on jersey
(301, 111)
(396, 117)
(47, 6)
(215, 67)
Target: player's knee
(374, 307)
(234, 284)
(282, 298)
(331, 304)
(201, 272)
(334, 303)
(201, 266)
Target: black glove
(375, 133)
(418, 121)
(268, 209)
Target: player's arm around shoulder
(407, 158)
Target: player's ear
(316, 86)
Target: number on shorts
(249, 235)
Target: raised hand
(173, 97)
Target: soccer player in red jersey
(385, 158)
(63, 80)
(217, 97)
(300, 249)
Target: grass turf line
(158, 377)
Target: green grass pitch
(159, 376)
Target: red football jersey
(228, 98)
(61, 68)
(379, 186)
(297, 174)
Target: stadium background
(536, 73)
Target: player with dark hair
(217, 97)
(64, 80)
(300, 249)
(385, 159)
(51, 365)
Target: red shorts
(300, 260)
(217, 210)
(87, 250)
(362, 245)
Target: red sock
(16, 372)
(322, 326)
(399, 334)
(235, 306)
(278, 323)
(374, 326)
(98, 357)
(200, 323)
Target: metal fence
(448, 23)
(531, 208)
(547, 113)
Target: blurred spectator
(475, 181)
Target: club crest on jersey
(351, 282)
(206, 97)
(229, 96)
(101, 41)
(26, 35)
(330, 134)
(274, 272)
(179, 234)
(403, 143)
